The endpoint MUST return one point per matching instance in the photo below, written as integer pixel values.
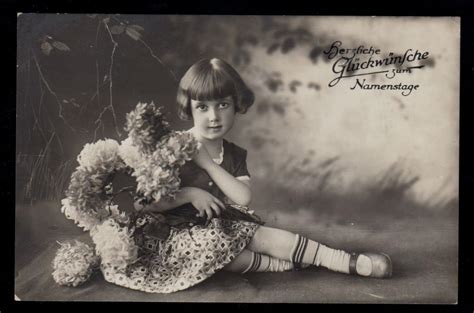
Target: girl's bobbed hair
(211, 79)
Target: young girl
(211, 93)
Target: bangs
(212, 79)
(211, 85)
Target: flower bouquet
(152, 155)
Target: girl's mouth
(215, 128)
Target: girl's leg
(273, 241)
(240, 263)
(285, 245)
(250, 261)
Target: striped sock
(307, 251)
(265, 263)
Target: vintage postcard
(209, 158)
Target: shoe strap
(353, 263)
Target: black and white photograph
(237, 158)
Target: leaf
(273, 84)
(315, 53)
(244, 57)
(272, 48)
(134, 34)
(263, 108)
(294, 84)
(252, 40)
(138, 28)
(258, 141)
(61, 46)
(302, 34)
(288, 45)
(117, 29)
(280, 33)
(46, 47)
(278, 108)
(236, 59)
(313, 85)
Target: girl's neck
(213, 146)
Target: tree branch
(111, 106)
(97, 64)
(158, 59)
(60, 107)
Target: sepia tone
(359, 169)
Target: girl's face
(213, 118)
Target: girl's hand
(137, 205)
(206, 203)
(203, 159)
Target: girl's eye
(201, 107)
(223, 105)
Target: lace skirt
(188, 256)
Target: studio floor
(423, 250)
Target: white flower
(74, 263)
(102, 155)
(82, 219)
(114, 244)
(154, 153)
(178, 147)
(130, 153)
(145, 125)
(116, 214)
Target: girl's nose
(213, 115)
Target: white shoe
(380, 265)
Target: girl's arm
(182, 197)
(237, 191)
(204, 202)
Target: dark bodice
(191, 175)
(234, 162)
